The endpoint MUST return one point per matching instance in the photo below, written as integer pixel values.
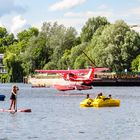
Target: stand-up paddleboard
(19, 110)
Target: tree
(135, 65)
(64, 61)
(76, 54)
(115, 46)
(6, 39)
(27, 34)
(91, 26)
(13, 58)
(59, 39)
(37, 54)
(13, 65)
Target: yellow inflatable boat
(103, 102)
(106, 102)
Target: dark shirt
(13, 96)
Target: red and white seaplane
(80, 79)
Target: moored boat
(2, 97)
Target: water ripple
(56, 115)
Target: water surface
(57, 115)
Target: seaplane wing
(63, 71)
(71, 71)
(80, 75)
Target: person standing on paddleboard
(13, 97)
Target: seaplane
(80, 79)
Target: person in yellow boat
(90, 100)
(100, 96)
(109, 97)
(87, 96)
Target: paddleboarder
(13, 97)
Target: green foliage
(59, 39)
(115, 46)
(79, 62)
(4, 78)
(135, 65)
(27, 34)
(64, 61)
(76, 53)
(13, 66)
(50, 65)
(13, 59)
(91, 26)
(5, 39)
(3, 32)
(112, 47)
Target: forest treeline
(115, 46)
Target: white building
(2, 67)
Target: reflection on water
(57, 115)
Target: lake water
(57, 115)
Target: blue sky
(17, 15)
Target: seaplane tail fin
(90, 74)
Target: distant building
(2, 67)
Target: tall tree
(60, 39)
(114, 47)
(77, 54)
(91, 26)
(13, 64)
(13, 59)
(6, 39)
(27, 34)
(36, 55)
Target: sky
(17, 15)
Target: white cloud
(77, 23)
(65, 4)
(18, 24)
(103, 6)
(137, 29)
(77, 20)
(89, 14)
(135, 11)
(1, 24)
(69, 21)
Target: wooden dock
(116, 82)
